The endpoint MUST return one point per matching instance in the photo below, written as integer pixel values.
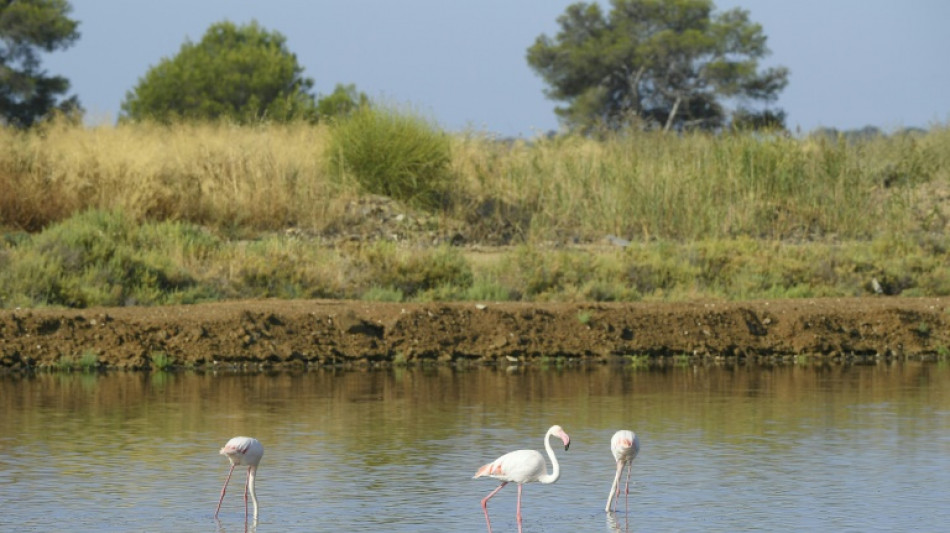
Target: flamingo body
(523, 466)
(624, 446)
(242, 451)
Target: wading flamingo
(242, 451)
(523, 466)
(625, 446)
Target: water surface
(860, 448)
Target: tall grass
(149, 214)
(220, 175)
(697, 186)
(247, 179)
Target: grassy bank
(150, 214)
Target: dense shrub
(101, 258)
(392, 153)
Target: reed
(698, 186)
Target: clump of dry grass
(220, 175)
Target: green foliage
(413, 273)
(344, 100)
(814, 217)
(392, 153)
(161, 361)
(27, 29)
(486, 290)
(242, 73)
(382, 294)
(101, 258)
(89, 360)
(657, 63)
(279, 268)
(576, 275)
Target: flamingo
(625, 446)
(242, 451)
(523, 466)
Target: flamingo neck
(555, 467)
(251, 475)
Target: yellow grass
(220, 175)
(639, 186)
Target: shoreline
(274, 334)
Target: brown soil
(270, 333)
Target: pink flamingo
(523, 466)
(625, 446)
(242, 451)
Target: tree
(341, 102)
(244, 73)
(662, 63)
(27, 93)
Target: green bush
(411, 273)
(392, 153)
(101, 258)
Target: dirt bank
(301, 333)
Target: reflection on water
(814, 448)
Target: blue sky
(462, 62)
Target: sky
(461, 63)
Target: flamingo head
(558, 431)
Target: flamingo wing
(520, 466)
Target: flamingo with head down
(242, 451)
(625, 446)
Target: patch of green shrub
(278, 267)
(392, 153)
(101, 258)
(412, 272)
(486, 290)
(89, 360)
(161, 361)
(382, 294)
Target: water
(862, 448)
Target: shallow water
(863, 448)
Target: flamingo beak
(567, 442)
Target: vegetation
(87, 362)
(151, 214)
(29, 28)
(392, 153)
(343, 101)
(656, 63)
(243, 73)
(161, 361)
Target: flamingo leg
(485, 503)
(615, 488)
(518, 508)
(223, 489)
(627, 486)
(246, 483)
